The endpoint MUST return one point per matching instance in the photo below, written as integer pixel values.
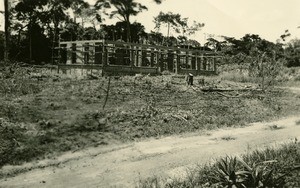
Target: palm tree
(124, 9)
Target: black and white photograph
(150, 94)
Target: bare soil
(54, 131)
(44, 118)
(124, 165)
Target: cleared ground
(149, 126)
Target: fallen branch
(224, 90)
(229, 96)
(179, 117)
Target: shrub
(16, 80)
(262, 168)
(235, 76)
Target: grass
(236, 76)
(53, 114)
(271, 167)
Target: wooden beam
(113, 43)
(81, 41)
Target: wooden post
(208, 64)
(74, 53)
(156, 56)
(136, 56)
(196, 61)
(201, 62)
(136, 63)
(177, 65)
(186, 59)
(152, 58)
(105, 56)
(157, 59)
(193, 62)
(215, 65)
(170, 60)
(86, 57)
(144, 60)
(79, 53)
(98, 53)
(133, 58)
(140, 57)
(69, 53)
(161, 61)
(204, 63)
(92, 53)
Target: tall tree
(292, 53)
(28, 13)
(77, 7)
(50, 14)
(171, 20)
(118, 31)
(191, 30)
(188, 30)
(285, 35)
(123, 10)
(214, 44)
(90, 15)
(70, 31)
(7, 29)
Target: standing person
(190, 79)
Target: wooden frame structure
(115, 57)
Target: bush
(235, 76)
(16, 80)
(262, 168)
(9, 133)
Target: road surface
(124, 165)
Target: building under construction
(117, 58)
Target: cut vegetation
(53, 114)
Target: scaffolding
(115, 57)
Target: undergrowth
(271, 167)
(48, 114)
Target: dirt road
(122, 166)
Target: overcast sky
(268, 18)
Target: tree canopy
(36, 26)
(123, 10)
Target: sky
(234, 18)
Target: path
(122, 166)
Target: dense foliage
(271, 167)
(36, 26)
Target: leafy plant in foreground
(234, 172)
(228, 173)
(261, 175)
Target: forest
(33, 30)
